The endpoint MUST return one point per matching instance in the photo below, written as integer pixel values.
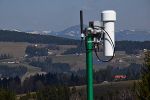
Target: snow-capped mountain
(40, 32)
(16, 30)
(33, 32)
(130, 35)
(30, 32)
(133, 35)
(72, 32)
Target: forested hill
(14, 36)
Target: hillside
(62, 54)
(14, 36)
(104, 91)
(110, 91)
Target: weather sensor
(108, 18)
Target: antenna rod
(81, 21)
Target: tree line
(12, 71)
(37, 82)
(5, 56)
(47, 65)
(36, 51)
(135, 47)
(55, 86)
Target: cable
(112, 46)
(102, 59)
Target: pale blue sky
(57, 15)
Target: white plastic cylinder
(108, 18)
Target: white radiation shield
(108, 18)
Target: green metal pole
(89, 64)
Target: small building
(120, 77)
(11, 62)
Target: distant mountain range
(73, 32)
(133, 35)
(130, 35)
